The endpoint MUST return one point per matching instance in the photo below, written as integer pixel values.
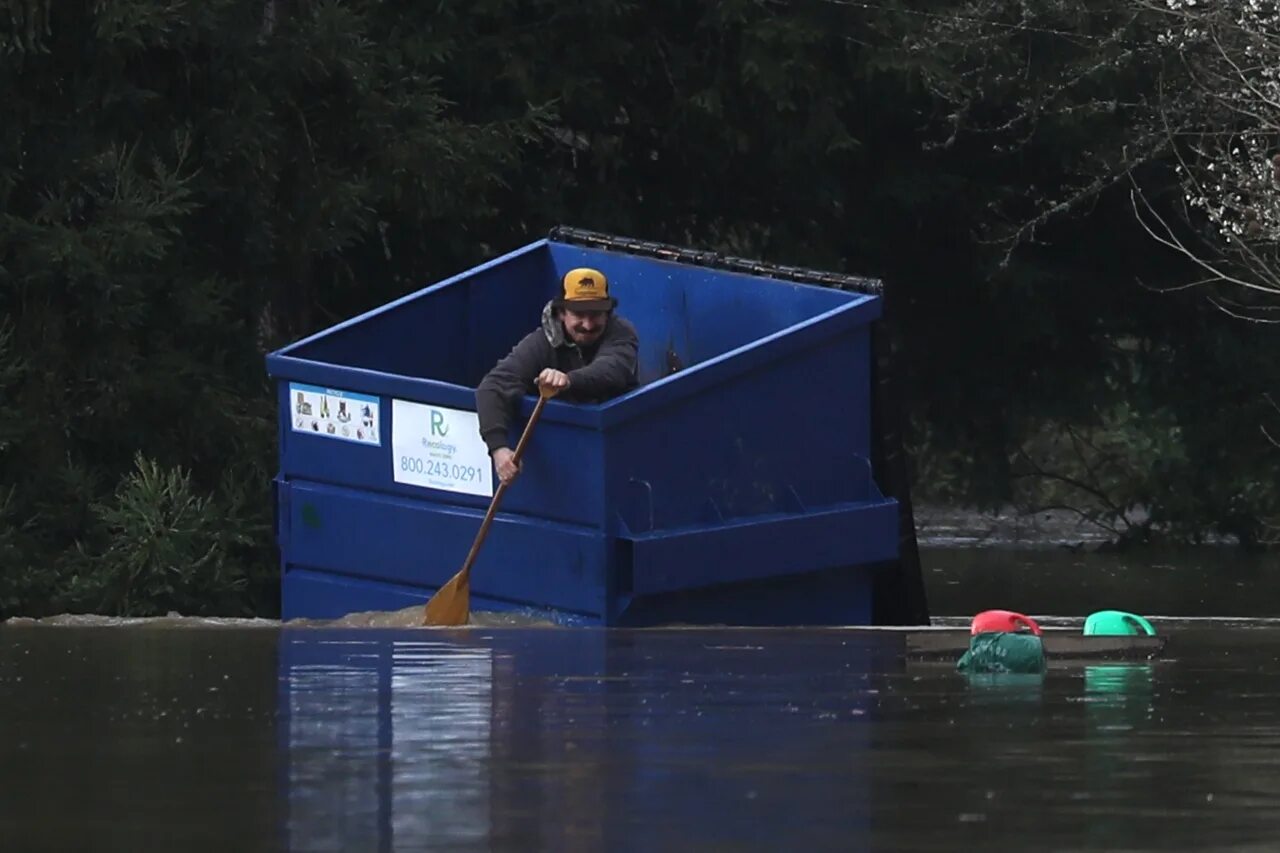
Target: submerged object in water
(1003, 641)
(1117, 623)
(989, 621)
(1003, 651)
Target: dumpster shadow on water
(534, 739)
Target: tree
(182, 186)
(1224, 129)
(1074, 103)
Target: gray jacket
(597, 373)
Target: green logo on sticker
(437, 423)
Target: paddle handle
(544, 394)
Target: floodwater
(204, 735)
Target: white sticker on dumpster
(439, 448)
(330, 413)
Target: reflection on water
(1118, 706)
(224, 738)
(216, 735)
(573, 739)
(373, 755)
(767, 740)
(1119, 696)
(1004, 689)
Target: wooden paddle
(451, 605)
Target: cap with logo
(585, 289)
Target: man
(583, 349)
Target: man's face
(584, 327)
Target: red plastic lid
(1005, 621)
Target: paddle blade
(451, 605)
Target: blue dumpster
(734, 485)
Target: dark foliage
(185, 186)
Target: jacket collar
(552, 327)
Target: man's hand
(554, 379)
(504, 465)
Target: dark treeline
(185, 186)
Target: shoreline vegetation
(186, 187)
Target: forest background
(1071, 204)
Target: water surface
(259, 738)
(368, 734)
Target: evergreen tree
(183, 186)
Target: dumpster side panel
(687, 314)
(506, 307)
(561, 479)
(762, 479)
(321, 595)
(453, 331)
(309, 594)
(388, 539)
(412, 340)
(306, 449)
(562, 473)
(729, 311)
(838, 596)
(765, 547)
(793, 435)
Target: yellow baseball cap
(586, 289)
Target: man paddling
(583, 349)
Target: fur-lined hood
(552, 327)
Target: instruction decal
(327, 412)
